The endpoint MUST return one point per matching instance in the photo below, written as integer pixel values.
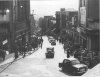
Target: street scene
(37, 65)
(49, 38)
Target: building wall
(18, 19)
(89, 21)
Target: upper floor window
(4, 15)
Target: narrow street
(49, 38)
(36, 65)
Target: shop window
(4, 11)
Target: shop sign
(5, 41)
(83, 15)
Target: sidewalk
(8, 58)
(94, 72)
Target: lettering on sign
(83, 15)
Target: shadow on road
(66, 73)
(69, 73)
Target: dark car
(50, 38)
(72, 65)
(53, 42)
(50, 53)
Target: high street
(32, 31)
(36, 65)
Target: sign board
(5, 41)
(83, 15)
(73, 20)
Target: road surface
(36, 65)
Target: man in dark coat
(15, 51)
(68, 53)
(41, 42)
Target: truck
(14, 23)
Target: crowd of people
(20, 49)
(36, 42)
(71, 49)
(78, 51)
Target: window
(74, 62)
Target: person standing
(15, 51)
(68, 53)
(41, 42)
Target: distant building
(47, 23)
(66, 19)
(60, 19)
(32, 24)
(71, 24)
(41, 19)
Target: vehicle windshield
(49, 49)
(51, 37)
(74, 62)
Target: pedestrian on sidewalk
(68, 53)
(2, 53)
(24, 50)
(41, 42)
(15, 51)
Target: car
(72, 65)
(50, 52)
(53, 42)
(50, 39)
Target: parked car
(72, 65)
(50, 52)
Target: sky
(49, 7)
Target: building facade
(89, 24)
